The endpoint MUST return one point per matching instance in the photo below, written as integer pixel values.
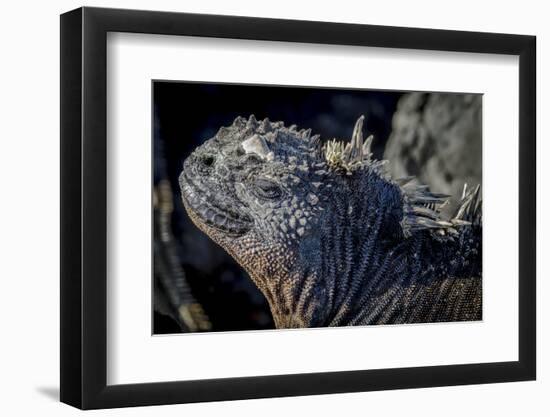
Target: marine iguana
(327, 236)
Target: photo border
(84, 207)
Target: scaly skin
(326, 235)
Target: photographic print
(305, 207)
(247, 211)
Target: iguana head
(280, 204)
(255, 188)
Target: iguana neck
(385, 285)
(291, 286)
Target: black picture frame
(84, 207)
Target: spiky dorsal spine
(352, 155)
(469, 210)
(421, 207)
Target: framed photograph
(256, 208)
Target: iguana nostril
(208, 160)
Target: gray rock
(437, 138)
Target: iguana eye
(267, 189)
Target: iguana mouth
(210, 212)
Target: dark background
(189, 268)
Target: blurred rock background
(199, 287)
(437, 138)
